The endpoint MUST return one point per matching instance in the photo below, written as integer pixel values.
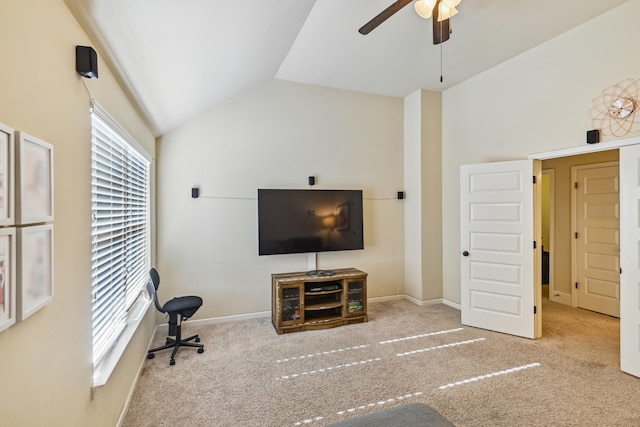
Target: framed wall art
(35, 269)
(7, 277)
(34, 180)
(7, 144)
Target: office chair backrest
(152, 287)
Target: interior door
(598, 238)
(630, 260)
(498, 254)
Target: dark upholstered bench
(410, 415)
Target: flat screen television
(299, 221)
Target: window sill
(105, 368)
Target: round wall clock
(621, 108)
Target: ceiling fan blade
(383, 16)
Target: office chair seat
(178, 309)
(186, 306)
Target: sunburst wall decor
(615, 111)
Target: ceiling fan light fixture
(424, 8)
(451, 3)
(445, 12)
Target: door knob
(465, 253)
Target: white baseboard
(452, 304)
(263, 314)
(232, 318)
(383, 299)
(222, 319)
(422, 303)
(414, 300)
(560, 297)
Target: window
(120, 248)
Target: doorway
(558, 171)
(558, 238)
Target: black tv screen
(299, 221)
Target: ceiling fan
(441, 10)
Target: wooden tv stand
(300, 302)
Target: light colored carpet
(250, 376)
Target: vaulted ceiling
(180, 58)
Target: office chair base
(176, 344)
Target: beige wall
(423, 183)
(431, 196)
(275, 136)
(46, 360)
(563, 233)
(535, 102)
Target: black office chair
(178, 309)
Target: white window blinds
(120, 249)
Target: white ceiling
(179, 58)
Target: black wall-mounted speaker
(195, 192)
(593, 136)
(86, 62)
(312, 180)
(400, 195)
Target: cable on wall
(92, 101)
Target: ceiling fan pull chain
(441, 79)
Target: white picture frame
(7, 277)
(35, 269)
(7, 175)
(34, 180)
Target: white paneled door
(497, 247)
(630, 259)
(597, 239)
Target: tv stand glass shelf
(301, 302)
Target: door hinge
(576, 234)
(534, 179)
(575, 185)
(620, 270)
(535, 309)
(535, 245)
(576, 285)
